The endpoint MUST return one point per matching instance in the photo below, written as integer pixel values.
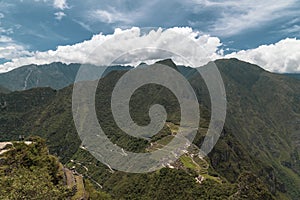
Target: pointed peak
(169, 62)
(141, 65)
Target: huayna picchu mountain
(256, 157)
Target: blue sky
(27, 26)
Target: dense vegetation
(29, 172)
(3, 90)
(257, 156)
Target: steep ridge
(260, 134)
(263, 114)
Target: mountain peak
(141, 65)
(169, 62)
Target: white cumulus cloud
(149, 48)
(60, 4)
(283, 56)
(9, 49)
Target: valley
(258, 148)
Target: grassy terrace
(75, 183)
(199, 165)
(80, 193)
(188, 162)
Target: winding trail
(86, 169)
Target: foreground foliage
(29, 172)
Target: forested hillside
(257, 156)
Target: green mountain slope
(263, 113)
(4, 90)
(27, 171)
(258, 148)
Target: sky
(265, 33)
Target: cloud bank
(9, 49)
(125, 40)
(283, 56)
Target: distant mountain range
(257, 156)
(55, 75)
(59, 75)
